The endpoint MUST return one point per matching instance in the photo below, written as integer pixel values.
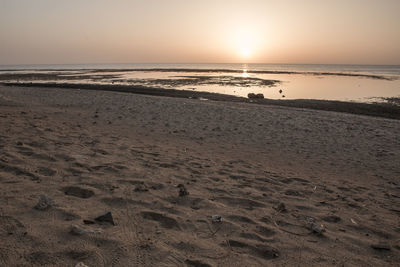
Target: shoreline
(194, 70)
(390, 110)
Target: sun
(243, 42)
(245, 52)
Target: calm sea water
(303, 81)
(374, 69)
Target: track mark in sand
(73, 171)
(107, 168)
(11, 226)
(261, 251)
(78, 192)
(65, 157)
(46, 171)
(240, 202)
(186, 247)
(252, 236)
(169, 165)
(36, 144)
(17, 171)
(237, 177)
(242, 219)
(100, 151)
(149, 185)
(192, 202)
(196, 263)
(332, 219)
(119, 202)
(66, 215)
(382, 234)
(193, 171)
(35, 155)
(141, 152)
(42, 258)
(268, 180)
(79, 255)
(216, 190)
(265, 231)
(294, 229)
(291, 180)
(296, 193)
(165, 221)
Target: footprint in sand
(78, 192)
(165, 221)
(261, 251)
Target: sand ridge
(271, 173)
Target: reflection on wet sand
(360, 87)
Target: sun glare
(244, 42)
(245, 52)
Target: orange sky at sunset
(174, 31)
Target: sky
(200, 31)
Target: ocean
(360, 83)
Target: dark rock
(88, 222)
(216, 218)
(280, 91)
(182, 190)
(105, 218)
(255, 96)
(315, 227)
(318, 229)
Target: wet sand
(388, 109)
(293, 186)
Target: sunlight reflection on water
(240, 83)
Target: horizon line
(187, 63)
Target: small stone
(45, 202)
(81, 264)
(182, 190)
(88, 222)
(255, 96)
(216, 218)
(106, 218)
(315, 227)
(318, 229)
(19, 143)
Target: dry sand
(94, 152)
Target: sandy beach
(292, 186)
